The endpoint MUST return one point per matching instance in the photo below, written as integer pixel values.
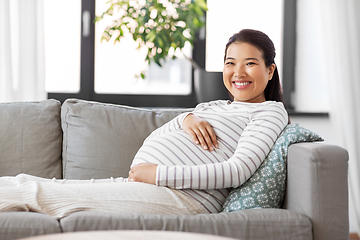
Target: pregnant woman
(188, 165)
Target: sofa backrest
(101, 140)
(31, 138)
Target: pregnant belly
(176, 148)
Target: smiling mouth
(241, 83)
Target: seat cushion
(247, 224)
(16, 225)
(30, 139)
(101, 140)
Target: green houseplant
(162, 26)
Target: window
(103, 94)
(62, 45)
(101, 81)
(116, 66)
(223, 21)
(311, 88)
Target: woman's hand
(200, 132)
(143, 172)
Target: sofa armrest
(317, 186)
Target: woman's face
(245, 74)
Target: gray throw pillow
(31, 138)
(101, 140)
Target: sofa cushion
(101, 140)
(31, 139)
(266, 188)
(15, 225)
(246, 224)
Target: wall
(319, 125)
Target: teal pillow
(266, 188)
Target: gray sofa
(84, 140)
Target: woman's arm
(267, 122)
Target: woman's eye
(250, 63)
(229, 63)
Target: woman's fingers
(212, 137)
(205, 136)
(208, 137)
(200, 132)
(143, 172)
(201, 138)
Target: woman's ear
(271, 70)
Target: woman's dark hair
(273, 90)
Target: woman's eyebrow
(252, 59)
(246, 59)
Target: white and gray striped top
(245, 133)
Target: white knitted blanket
(60, 198)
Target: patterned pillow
(266, 188)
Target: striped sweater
(245, 133)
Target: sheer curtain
(342, 39)
(337, 39)
(22, 51)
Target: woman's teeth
(241, 83)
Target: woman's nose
(239, 71)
